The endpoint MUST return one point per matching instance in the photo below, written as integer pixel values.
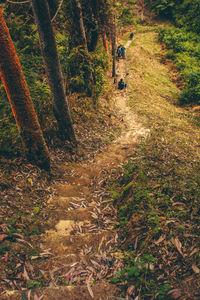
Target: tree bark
(142, 5)
(105, 42)
(20, 100)
(84, 39)
(82, 28)
(114, 48)
(53, 69)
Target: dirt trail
(84, 232)
(81, 236)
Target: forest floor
(80, 249)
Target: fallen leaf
(175, 293)
(38, 298)
(195, 269)
(25, 275)
(24, 242)
(194, 251)
(89, 288)
(177, 244)
(2, 237)
(34, 257)
(131, 290)
(29, 295)
(177, 203)
(161, 238)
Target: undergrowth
(157, 198)
(183, 48)
(76, 65)
(157, 192)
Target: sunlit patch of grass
(160, 186)
(154, 94)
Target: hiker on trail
(123, 49)
(131, 35)
(119, 51)
(121, 84)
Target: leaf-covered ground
(25, 191)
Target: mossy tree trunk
(20, 100)
(53, 69)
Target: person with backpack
(121, 84)
(119, 52)
(123, 49)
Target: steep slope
(160, 145)
(80, 234)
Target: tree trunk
(20, 100)
(53, 69)
(105, 42)
(114, 48)
(82, 28)
(94, 35)
(84, 39)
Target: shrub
(190, 94)
(79, 67)
(126, 17)
(184, 48)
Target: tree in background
(86, 62)
(141, 6)
(187, 15)
(96, 20)
(82, 34)
(114, 40)
(53, 69)
(165, 8)
(18, 93)
(184, 13)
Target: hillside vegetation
(157, 191)
(182, 43)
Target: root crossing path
(81, 235)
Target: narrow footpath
(81, 236)
(84, 241)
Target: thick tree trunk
(53, 69)
(20, 100)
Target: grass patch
(157, 195)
